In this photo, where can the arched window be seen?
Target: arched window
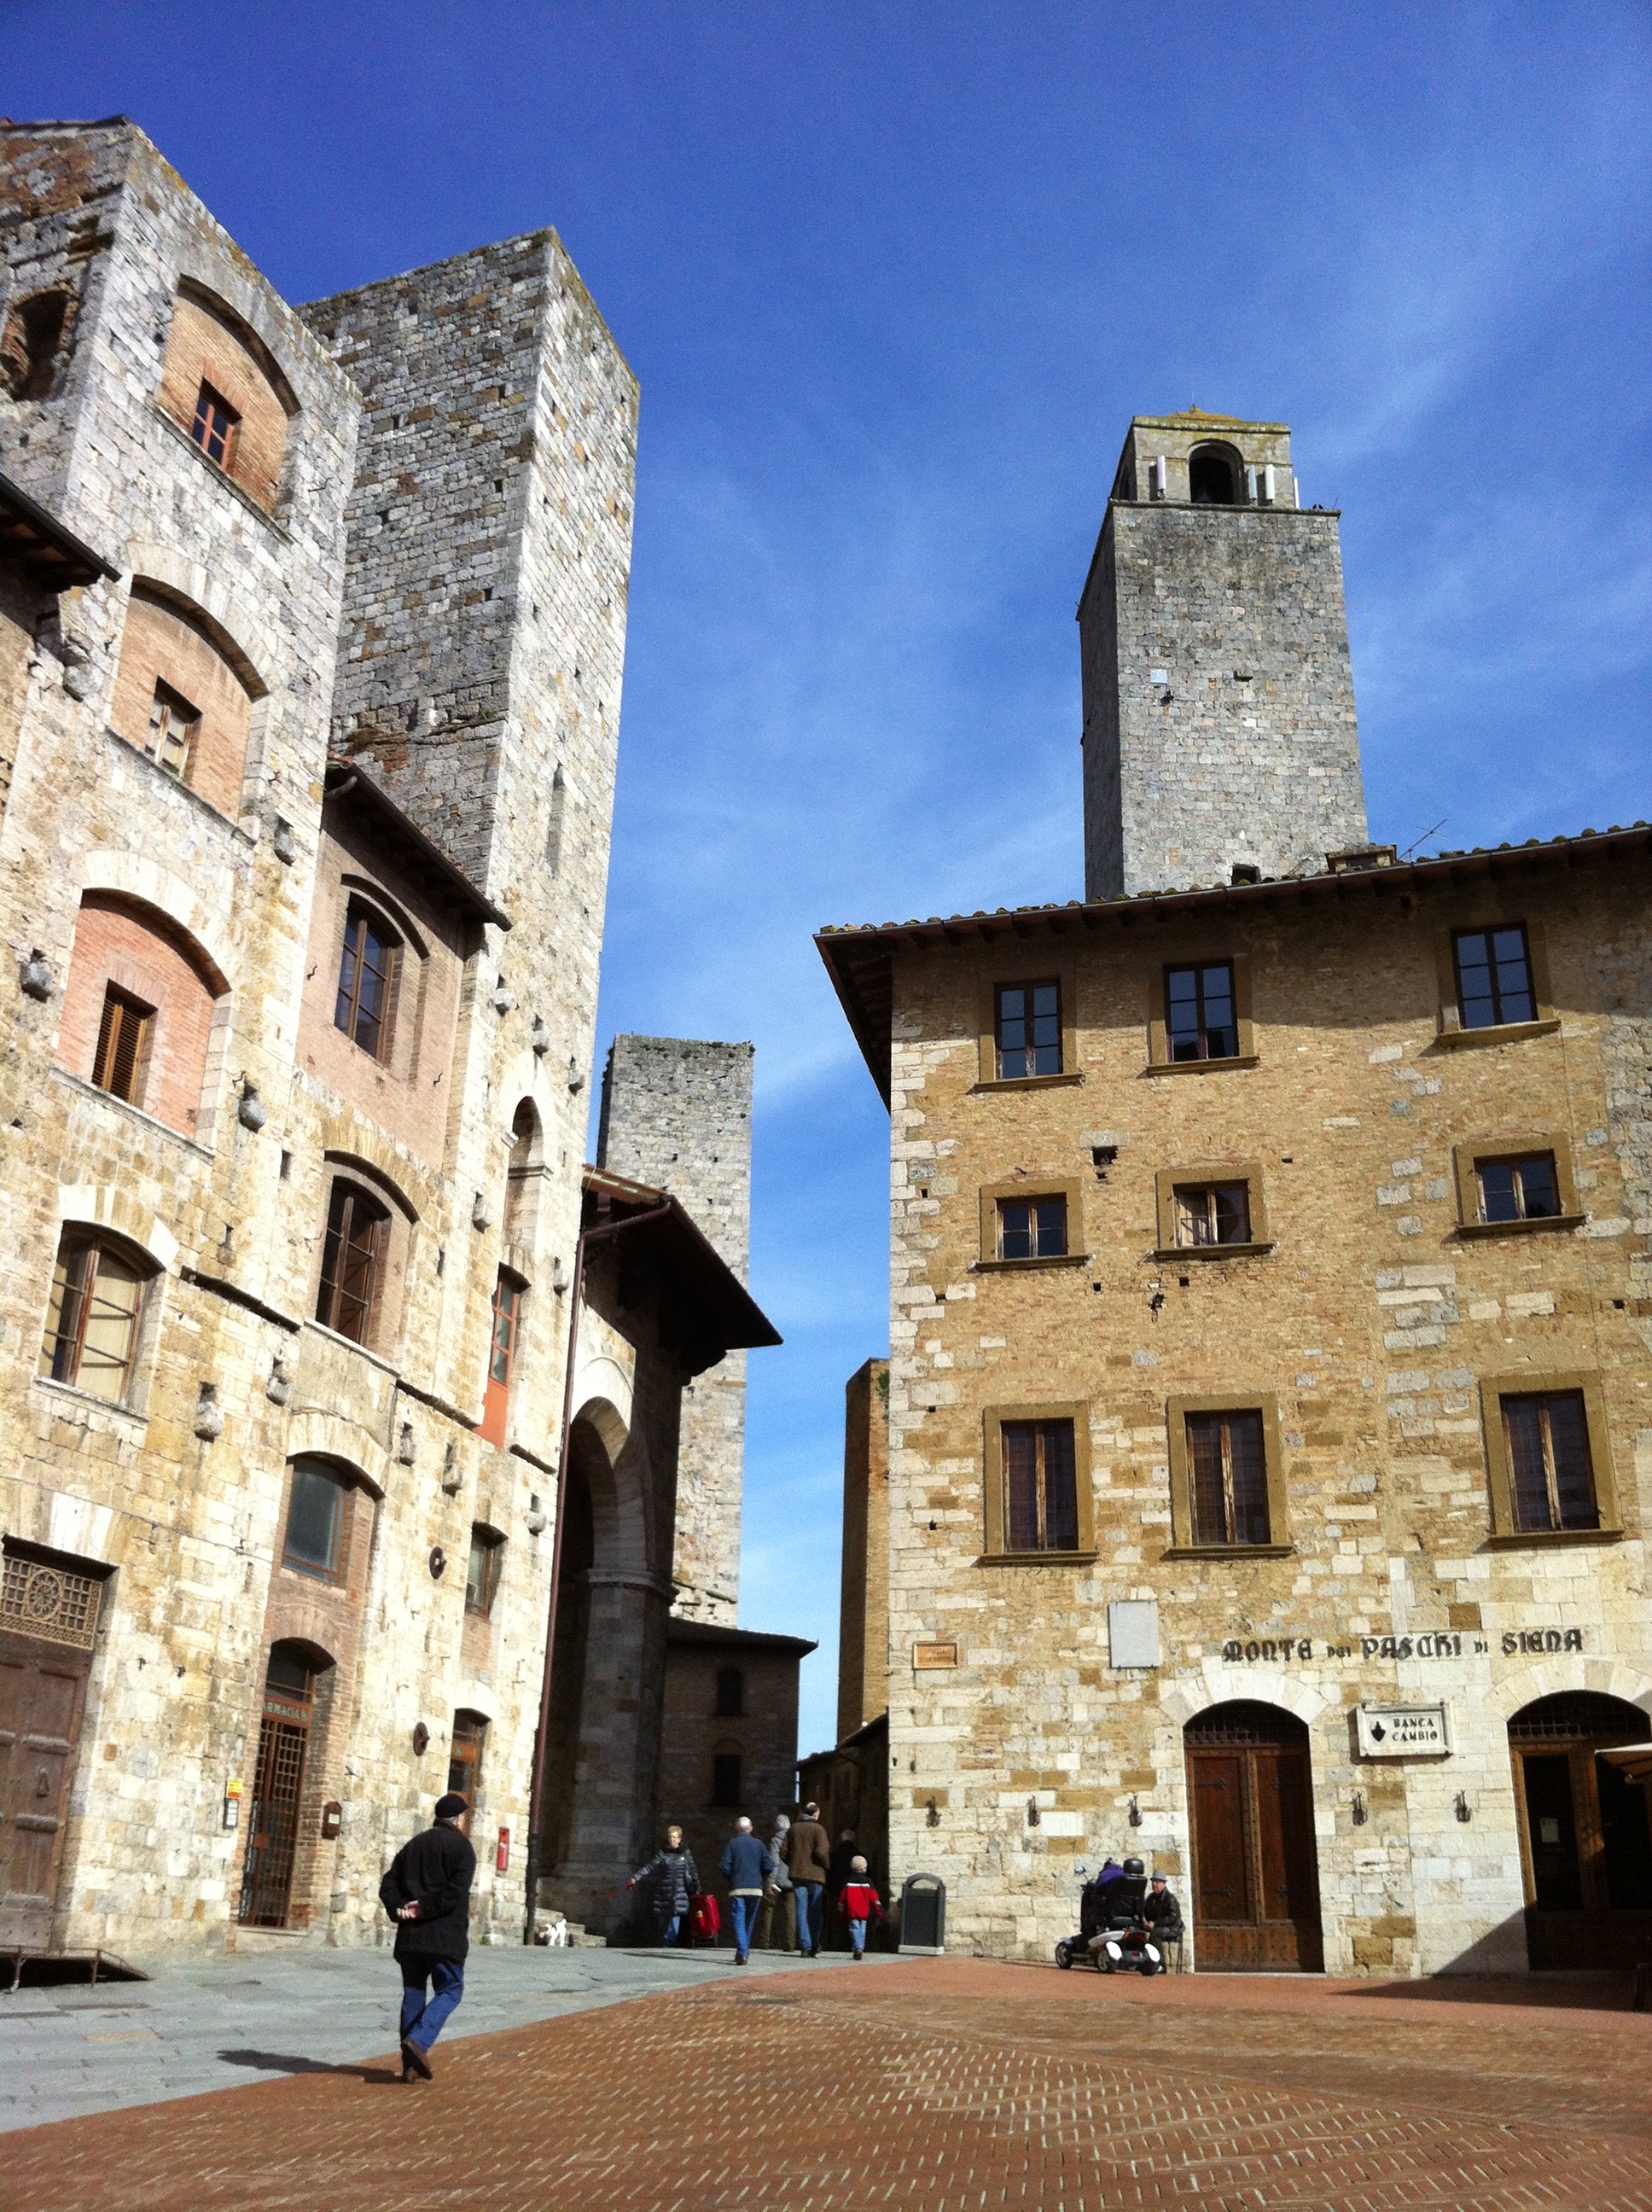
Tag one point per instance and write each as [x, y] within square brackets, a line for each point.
[352, 1257]
[1212, 477]
[731, 1692]
[92, 1317]
[526, 1176]
[182, 697]
[366, 977]
[222, 387]
[317, 1520]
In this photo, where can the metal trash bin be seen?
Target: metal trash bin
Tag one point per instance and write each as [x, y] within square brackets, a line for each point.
[923, 1915]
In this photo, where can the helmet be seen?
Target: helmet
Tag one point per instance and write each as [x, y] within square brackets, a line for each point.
[1134, 1868]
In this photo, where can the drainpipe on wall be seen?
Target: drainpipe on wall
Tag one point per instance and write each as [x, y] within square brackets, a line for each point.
[537, 1795]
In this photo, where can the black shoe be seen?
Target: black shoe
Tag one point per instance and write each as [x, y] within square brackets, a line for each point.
[413, 2056]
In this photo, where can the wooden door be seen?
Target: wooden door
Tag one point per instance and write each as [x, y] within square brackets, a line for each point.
[48, 1624]
[1255, 1873]
[1585, 1840]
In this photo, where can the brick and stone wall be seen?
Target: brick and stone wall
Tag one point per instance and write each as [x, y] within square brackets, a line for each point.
[863, 1610]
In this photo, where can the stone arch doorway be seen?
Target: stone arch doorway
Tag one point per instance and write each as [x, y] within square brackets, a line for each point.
[607, 1672]
[1585, 1841]
[297, 1679]
[1255, 1868]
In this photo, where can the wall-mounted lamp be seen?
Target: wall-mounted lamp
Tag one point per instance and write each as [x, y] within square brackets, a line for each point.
[1032, 1812]
[1464, 1811]
[933, 1817]
[1135, 1814]
[1359, 1809]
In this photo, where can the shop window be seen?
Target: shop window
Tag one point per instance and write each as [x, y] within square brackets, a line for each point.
[174, 724]
[92, 1317]
[1494, 977]
[367, 970]
[1041, 1493]
[1227, 1479]
[1029, 1029]
[352, 1256]
[121, 1061]
[316, 1516]
[725, 1780]
[501, 1355]
[481, 1576]
[464, 1758]
[1032, 1228]
[1199, 1018]
[731, 1692]
[1213, 1214]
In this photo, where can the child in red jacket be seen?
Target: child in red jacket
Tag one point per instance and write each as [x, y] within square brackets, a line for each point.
[859, 1901]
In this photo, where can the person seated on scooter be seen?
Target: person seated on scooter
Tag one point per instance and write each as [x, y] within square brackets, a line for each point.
[1161, 1911]
[1093, 1904]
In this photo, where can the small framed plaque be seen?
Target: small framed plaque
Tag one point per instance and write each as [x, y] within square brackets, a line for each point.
[928, 1655]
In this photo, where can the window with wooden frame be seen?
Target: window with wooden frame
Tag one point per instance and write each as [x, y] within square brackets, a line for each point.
[1212, 1210]
[1032, 1228]
[1548, 1458]
[1038, 1502]
[352, 1255]
[1506, 1185]
[726, 1779]
[1227, 1476]
[731, 1692]
[92, 1317]
[318, 1502]
[124, 1030]
[175, 724]
[1032, 1225]
[465, 1759]
[1200, 1020]
[482, 1575]
[366, 972]
[501, 1355]
[216, 426]
[1027, 1027]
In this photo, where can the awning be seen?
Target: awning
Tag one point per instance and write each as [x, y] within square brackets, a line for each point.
[1632, 1760]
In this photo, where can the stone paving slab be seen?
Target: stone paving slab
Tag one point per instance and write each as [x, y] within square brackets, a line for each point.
[930, 2086]
[213, 2024]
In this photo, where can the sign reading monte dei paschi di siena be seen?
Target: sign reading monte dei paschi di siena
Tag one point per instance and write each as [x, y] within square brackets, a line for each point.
[1270, 1392]
[311, 634]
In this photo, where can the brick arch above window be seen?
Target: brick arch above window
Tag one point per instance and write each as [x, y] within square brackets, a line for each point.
[180, 699]
[138, 1012]
[247, 643]
[333, 1436]
[140, 881]
[223, 388]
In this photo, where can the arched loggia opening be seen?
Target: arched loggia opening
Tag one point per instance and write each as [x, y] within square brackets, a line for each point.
[1213, 476]
[1255, 1873]
[1585, 1838]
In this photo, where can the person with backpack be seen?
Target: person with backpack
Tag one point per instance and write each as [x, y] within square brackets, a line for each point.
[673, 1878]
[427, 1893]
[860, 1903]
[808, 1863]
[746, 1867]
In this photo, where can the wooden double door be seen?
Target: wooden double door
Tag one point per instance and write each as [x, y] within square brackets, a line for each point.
[1586, 1842]
[48, 1621]
[1256, 1871]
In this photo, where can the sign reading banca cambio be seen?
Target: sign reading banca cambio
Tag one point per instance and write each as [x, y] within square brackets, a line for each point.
[1404, 1732]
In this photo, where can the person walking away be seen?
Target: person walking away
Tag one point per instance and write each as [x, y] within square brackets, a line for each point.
[746, 1867]
[780, 1903]
[860, 1903]
[427, 1893]
[809, 1861]
[672, 1878]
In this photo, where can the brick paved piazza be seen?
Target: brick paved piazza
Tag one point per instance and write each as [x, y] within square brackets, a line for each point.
[941, 2085]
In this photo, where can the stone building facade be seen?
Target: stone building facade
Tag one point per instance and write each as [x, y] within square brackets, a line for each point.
[312, 630]
[1270, 1458]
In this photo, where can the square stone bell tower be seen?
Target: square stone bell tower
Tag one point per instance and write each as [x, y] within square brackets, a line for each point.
[1218, 700]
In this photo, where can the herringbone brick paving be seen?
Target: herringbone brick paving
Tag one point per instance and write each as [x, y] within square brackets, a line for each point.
[928, 2087]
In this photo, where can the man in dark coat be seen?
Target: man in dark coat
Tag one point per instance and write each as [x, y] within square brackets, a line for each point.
[426, 1893]
[808, 1860]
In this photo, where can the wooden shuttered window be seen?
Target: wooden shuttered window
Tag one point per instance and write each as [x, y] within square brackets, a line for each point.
[1551, 1479]
[91, 1326]
[351, 1257]
[122, 1057]
[366, 972]
[1041, 1489]
[1227, 1478]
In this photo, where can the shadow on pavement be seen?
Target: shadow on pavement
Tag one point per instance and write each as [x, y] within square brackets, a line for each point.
[272, 2062]
[1606, 1992]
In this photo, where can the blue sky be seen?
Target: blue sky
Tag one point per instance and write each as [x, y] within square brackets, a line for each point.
[894, 280]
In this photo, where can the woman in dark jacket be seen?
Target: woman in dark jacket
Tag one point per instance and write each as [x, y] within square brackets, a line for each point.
[675, 1880]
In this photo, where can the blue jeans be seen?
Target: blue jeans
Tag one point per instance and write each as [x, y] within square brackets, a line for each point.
[673, 1926]
[423, 2019]
[744, 1912]
[809, 1915]
[857, 1936]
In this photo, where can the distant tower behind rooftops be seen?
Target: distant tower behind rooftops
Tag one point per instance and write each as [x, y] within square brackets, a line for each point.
[1218, 700]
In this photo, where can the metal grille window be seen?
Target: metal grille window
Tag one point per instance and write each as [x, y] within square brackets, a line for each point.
[481, 1576]
[278, 1793]
[1041, 1488]
[1494, 977]
[1213, 1213]
[91, 1322]
[215, 425]
[1227, 1478]
[1550, 1479]
[1032, 1228]
[1199, 1016]
[366, 967]
[356, 1228]
[1029, 1029]
[49, 1602]
[315, 1522]
[121, 1061]
[174, 724]
[1518, 1190]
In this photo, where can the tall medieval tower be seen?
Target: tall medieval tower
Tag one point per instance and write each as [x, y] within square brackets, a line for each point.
[1219, 733]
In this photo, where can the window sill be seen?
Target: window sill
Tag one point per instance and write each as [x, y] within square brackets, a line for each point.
[221, 475]
[1028, 1082]
[124, 1106]
[1521, 1540]
[1211, 1251]
[89, 1403]
[336, 1336]
[1029, 1266]
[1452, 1040]
[1036, 1558]
[1230, 1552]
[1201, 1067]
[1547, 1221]
[175, 783]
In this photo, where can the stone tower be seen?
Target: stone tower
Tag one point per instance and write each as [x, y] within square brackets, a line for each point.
[1219, 732]
[678, 1114]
